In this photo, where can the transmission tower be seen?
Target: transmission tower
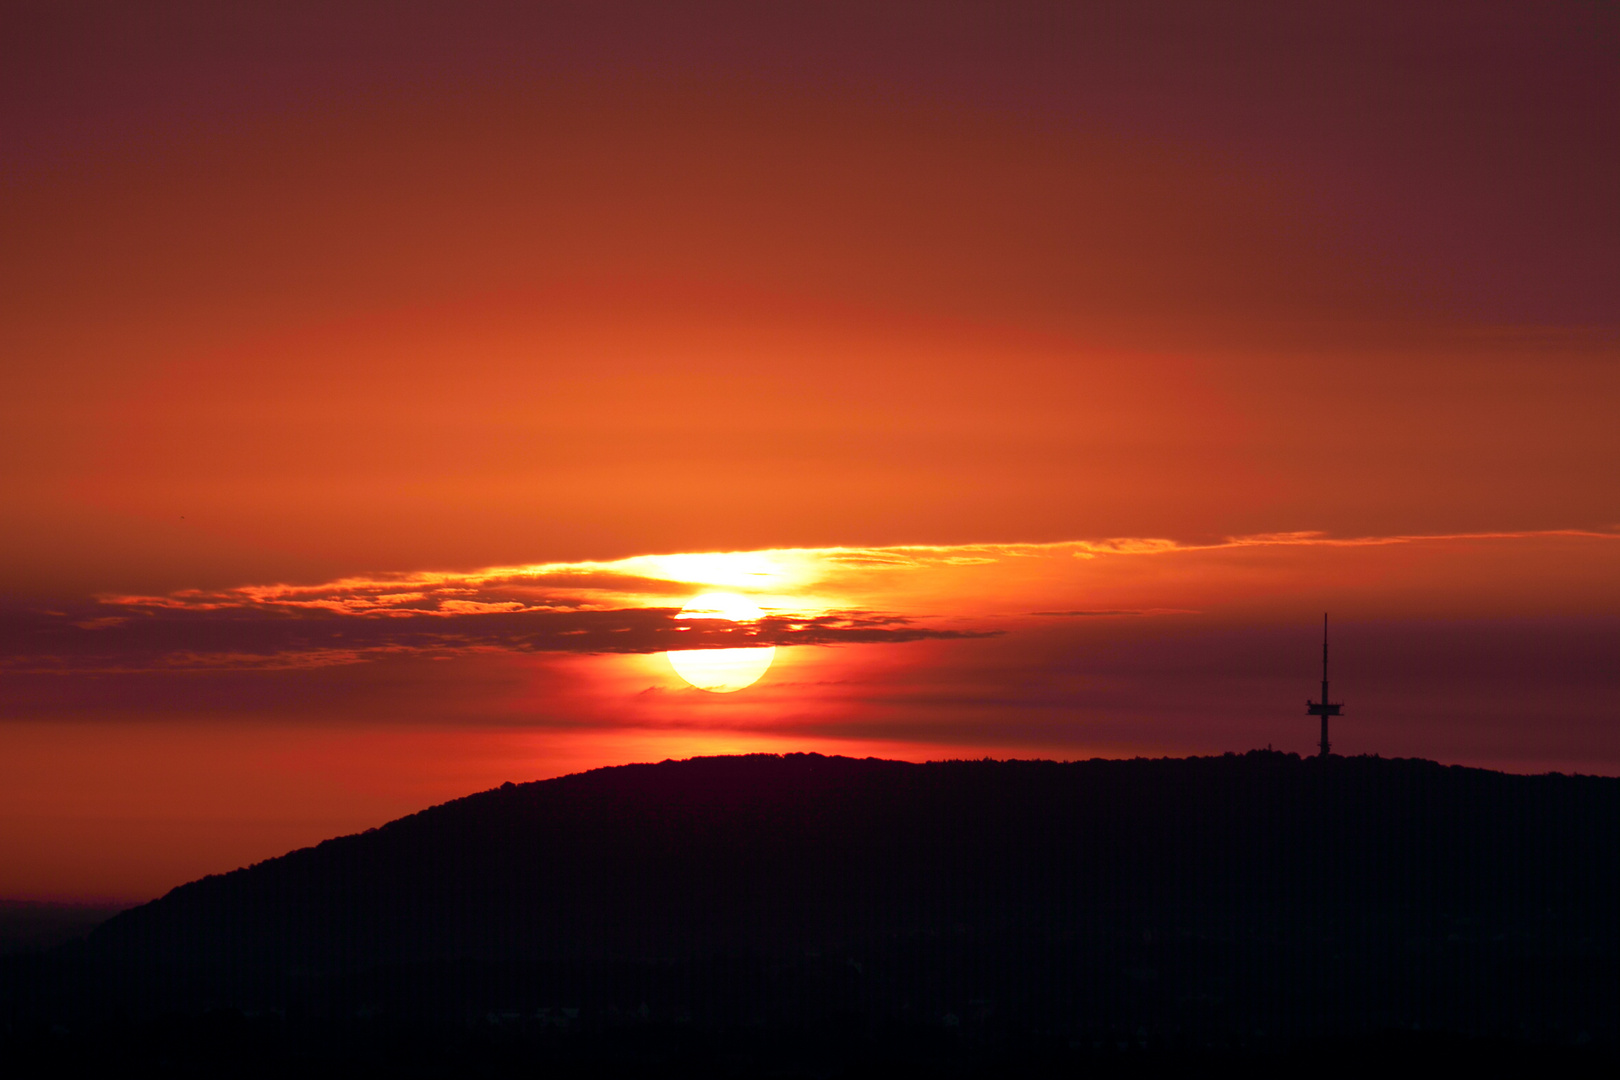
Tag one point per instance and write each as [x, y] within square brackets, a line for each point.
[1324, 708]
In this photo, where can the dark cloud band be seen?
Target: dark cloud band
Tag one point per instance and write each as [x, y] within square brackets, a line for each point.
[259, 636]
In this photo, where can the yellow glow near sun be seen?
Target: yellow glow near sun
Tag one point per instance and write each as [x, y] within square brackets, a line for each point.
[721, 671]
[752, 570]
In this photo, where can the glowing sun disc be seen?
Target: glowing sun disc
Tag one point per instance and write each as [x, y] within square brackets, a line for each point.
[721, 671]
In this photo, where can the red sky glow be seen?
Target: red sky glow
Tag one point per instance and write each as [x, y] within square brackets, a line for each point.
[382, 380]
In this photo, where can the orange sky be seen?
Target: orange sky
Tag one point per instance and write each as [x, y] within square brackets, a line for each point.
[306, 296]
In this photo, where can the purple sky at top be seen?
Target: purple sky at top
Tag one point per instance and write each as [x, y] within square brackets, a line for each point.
[1471, 140]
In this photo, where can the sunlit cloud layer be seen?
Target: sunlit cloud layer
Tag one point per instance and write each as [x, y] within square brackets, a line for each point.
[807, 597]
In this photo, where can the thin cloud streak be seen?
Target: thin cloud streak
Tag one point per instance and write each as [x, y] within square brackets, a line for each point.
[550, 586]
[1113, 612]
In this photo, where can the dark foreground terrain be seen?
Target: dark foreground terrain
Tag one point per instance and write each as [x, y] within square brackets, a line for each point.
[31, 926]
[822, 916]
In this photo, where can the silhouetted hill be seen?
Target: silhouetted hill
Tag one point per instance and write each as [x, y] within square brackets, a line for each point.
[1245, 900]
[36, 925]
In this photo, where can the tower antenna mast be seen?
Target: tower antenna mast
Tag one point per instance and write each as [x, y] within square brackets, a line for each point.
[1324, 708]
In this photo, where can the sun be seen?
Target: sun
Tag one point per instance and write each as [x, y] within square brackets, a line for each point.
[721, 671]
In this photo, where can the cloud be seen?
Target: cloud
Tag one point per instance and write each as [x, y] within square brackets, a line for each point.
[1105, 612]
[623, 607]
[212, 637]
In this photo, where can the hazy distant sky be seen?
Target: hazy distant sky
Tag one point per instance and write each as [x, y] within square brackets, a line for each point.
[1071, 358]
